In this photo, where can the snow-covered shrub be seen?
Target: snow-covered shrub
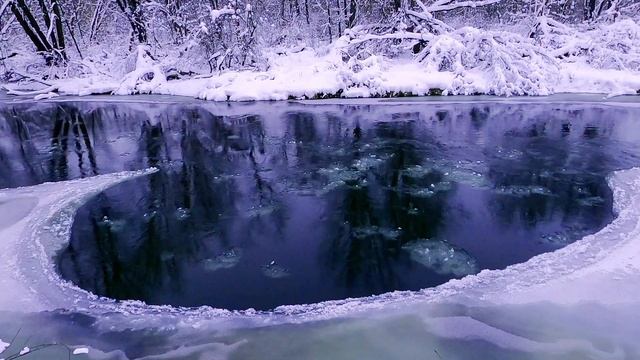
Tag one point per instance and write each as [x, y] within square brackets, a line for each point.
[482, 61]
[601, 45]
[145, 77]
[490, 62]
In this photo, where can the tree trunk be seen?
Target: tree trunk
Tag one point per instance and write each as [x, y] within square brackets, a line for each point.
[339, 18]
[51, 48]
[589, 9]
[55, 6]
[47, 22]
[33, 24]
[329, 21]
[133, 12]
[352, 13]
[306, 11]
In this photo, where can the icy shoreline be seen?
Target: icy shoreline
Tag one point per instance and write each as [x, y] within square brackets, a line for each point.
[574, 274]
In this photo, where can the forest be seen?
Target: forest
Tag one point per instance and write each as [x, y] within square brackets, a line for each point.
[351, 48]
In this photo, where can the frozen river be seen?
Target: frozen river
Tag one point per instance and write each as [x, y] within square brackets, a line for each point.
[409, 229]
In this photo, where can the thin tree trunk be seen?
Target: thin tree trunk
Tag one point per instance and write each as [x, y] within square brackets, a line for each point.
[339, 18]
[352, 13]
[47, 22]
[589, 9]
[95, 21]
[33, 24]
[345, 15]
[73, 38]
[55, 5]
[134, 14]
[35, 39]
[329, 21]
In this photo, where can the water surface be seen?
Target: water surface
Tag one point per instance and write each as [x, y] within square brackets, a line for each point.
[263, 205]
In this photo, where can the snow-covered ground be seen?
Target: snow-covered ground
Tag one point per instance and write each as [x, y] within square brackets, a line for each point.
[309, 75]
[600, 59]
[579, 302]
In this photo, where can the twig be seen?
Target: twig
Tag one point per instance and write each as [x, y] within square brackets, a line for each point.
[31, 77]
[9, 56]
[38, 348]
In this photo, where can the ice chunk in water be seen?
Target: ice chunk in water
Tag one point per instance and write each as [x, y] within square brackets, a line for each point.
[113, 225]
[148, 216]
[340, 173]
[105, 221]
[417, 171]
[368, 162]
[509, 154]
[431, 190]
[3, 346]
[516, 190]
[226, 260]
[339, 176]
[557, 238]
[261, 210]
[182, 213]
[275, 271]
[366, 231]
[464, 172]
[81, 350]
[564, 237]
[591, 201]
[442, 257]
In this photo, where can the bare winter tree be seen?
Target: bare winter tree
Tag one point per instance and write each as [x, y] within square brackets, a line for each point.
[46, 34]
[133, 11]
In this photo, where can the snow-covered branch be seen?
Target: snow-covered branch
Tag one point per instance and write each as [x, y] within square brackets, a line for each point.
[448, 5]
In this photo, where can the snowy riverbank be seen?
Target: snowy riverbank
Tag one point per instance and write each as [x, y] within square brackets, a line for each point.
[466, 61]
[306, 75]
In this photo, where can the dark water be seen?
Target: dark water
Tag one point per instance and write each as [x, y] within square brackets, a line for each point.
[270, 204]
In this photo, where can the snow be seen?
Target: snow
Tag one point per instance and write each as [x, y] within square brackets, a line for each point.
[81, 350]
[558, 59]
[307, 74]
[3, 346]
